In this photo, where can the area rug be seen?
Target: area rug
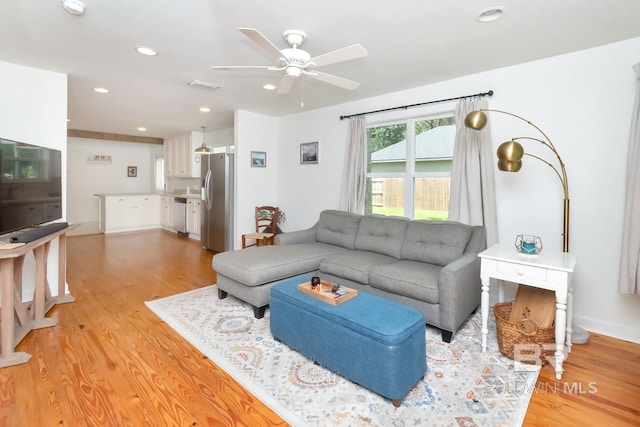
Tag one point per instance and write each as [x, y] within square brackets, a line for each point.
[462, 386]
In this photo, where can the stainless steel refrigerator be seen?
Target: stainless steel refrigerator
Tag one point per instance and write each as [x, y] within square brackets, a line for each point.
[217, 207]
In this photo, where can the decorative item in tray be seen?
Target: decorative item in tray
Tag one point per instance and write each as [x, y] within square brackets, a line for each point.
[328, 292]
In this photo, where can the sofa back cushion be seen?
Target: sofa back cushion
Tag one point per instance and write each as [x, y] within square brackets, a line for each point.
[435, 242]
[338, 228]
[381, 234]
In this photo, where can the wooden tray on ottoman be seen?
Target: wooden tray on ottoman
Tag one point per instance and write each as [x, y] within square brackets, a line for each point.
[325, 294]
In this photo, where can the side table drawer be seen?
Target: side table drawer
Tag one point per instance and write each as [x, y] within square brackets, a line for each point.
[519, 270]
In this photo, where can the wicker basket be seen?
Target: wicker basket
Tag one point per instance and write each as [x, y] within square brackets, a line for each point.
[510, 333]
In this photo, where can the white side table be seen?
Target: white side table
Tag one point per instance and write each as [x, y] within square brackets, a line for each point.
[548, 270]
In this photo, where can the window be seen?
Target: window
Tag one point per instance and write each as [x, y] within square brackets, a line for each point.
[409, 167]
[158, 178]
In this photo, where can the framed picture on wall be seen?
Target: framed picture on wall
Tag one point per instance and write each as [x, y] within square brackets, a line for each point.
[258, 159]
[309, 153]
[132, 171]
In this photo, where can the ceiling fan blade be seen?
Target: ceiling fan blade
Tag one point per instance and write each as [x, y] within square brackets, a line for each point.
[236, 67]
[285, 85]
[334, 80]
[262, 41]
[344, 54]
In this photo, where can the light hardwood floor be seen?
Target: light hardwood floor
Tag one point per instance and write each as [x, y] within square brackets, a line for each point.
[111, 362]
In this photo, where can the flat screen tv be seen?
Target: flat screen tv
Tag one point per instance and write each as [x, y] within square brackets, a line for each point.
[30, 185]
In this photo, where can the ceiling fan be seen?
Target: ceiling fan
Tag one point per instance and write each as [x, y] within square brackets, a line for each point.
[296, 62]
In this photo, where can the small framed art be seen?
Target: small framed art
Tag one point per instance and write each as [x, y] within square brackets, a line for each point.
[309, 153]
[258, 159]
[132, 171]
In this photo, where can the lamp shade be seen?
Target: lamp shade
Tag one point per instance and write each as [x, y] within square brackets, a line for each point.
[509, 166]
[203, 149]
[476, 120]
[511, 151]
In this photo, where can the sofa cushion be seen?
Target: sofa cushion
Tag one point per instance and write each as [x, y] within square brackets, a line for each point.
[353, 265]
[338, 228]
[263, 264]
[413, 279]
[381, 234]
[435, 242]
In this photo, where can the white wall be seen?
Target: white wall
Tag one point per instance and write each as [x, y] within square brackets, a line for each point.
[89, 178]
[583, 101]
[253, 186]
[33, 109]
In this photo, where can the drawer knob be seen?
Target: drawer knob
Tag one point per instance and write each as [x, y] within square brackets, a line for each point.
[520, 272]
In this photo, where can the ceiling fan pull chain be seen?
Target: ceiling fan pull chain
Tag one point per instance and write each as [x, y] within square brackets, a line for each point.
[302, 91]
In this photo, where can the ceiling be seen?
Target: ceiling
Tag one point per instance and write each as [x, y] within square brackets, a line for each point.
[410, 43]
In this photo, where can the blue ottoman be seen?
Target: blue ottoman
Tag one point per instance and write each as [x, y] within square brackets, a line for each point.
[371, 341]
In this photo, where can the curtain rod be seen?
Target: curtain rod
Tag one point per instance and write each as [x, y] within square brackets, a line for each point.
[477, 95]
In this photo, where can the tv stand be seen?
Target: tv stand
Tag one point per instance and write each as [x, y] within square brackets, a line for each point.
[19, 318]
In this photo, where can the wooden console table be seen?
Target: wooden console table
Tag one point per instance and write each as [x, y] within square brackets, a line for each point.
[548, 270]
[19, 318]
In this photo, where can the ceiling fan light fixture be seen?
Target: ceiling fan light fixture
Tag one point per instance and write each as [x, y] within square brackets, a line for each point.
[293, 71]
[74, 7]
[296, 62]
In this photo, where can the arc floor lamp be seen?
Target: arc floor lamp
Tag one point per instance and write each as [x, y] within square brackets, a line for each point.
[510, 155]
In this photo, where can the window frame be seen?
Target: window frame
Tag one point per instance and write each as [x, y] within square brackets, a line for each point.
[410, 174]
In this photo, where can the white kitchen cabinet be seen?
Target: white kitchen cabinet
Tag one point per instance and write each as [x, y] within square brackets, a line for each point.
[181, 161]
[147, 211]
[193, 217]
[166, 212]
[131, 212]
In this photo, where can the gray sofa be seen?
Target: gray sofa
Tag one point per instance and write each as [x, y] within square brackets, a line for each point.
[432, 266]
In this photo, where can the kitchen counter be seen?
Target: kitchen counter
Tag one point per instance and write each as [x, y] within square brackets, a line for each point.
[124, 194]
[185, 195]
[180, 194]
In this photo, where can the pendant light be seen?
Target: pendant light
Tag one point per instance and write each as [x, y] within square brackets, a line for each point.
[203, 149]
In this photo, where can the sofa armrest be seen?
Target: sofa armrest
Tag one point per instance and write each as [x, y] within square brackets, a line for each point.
[459, 290]
[301, 236]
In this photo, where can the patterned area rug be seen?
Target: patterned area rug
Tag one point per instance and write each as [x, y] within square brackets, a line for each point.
[462, 386]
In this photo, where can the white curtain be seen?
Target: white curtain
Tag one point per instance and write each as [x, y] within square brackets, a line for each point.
[353, 189]
[473, 195]
[629, 279]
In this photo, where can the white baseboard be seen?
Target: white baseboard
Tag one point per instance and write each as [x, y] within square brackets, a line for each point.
[623, 332]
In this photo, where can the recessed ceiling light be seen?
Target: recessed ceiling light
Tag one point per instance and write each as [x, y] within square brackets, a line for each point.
[141, 129]
[491, 14]
[205, 109]
[74, 7]
[101, 90]
[269, 86]
[147, 51]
